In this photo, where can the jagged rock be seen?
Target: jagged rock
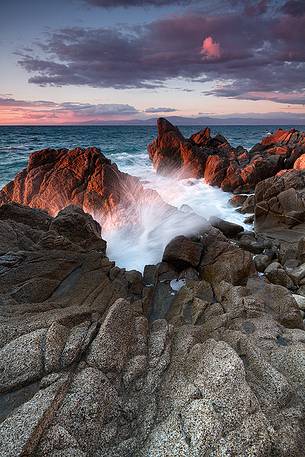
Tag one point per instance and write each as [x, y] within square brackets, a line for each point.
[301, 249]
[57, 178]
[215, 160]
[251, 244]
[280, 203]
[299, 164]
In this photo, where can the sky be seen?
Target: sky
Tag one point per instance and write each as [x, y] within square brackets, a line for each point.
[74, 61]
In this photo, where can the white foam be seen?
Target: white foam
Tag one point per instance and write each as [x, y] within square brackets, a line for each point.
[133, 247]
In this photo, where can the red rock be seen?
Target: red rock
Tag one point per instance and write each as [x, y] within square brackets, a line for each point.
[55, 179]
[215, 170]
[299, 164]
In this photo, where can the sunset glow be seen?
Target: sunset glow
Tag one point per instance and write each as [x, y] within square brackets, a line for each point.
[111, 61]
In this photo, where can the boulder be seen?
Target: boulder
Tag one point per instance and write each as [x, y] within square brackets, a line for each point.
[280, 203]
[182, 252]
[57, 178]
[277, 275]
[223, 260]
[229, 229]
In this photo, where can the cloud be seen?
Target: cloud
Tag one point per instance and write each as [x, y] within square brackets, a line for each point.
[12, 110]
[99, 109]
[160, 110]
[210, 48]
[260, 55]
[294, 7]
[131, 3]
[4, 101]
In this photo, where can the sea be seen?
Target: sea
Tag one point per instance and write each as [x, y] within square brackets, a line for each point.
[127, 147]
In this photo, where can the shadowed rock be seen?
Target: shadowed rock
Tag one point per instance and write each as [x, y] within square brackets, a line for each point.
[280, 204]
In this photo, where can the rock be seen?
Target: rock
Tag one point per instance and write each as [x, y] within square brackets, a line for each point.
[261, 262]
[301, 250]
[88, 368]
[225, 261]
[300, 299]
[229, 229]
[171, 152]
[21, 432]
[249, 219]
[21, 360]
[251, 244]
[280, 203]
[182, 253]
[81, 177]
[297, 274]
[214, 159]
[79, 228]
[277, 275]
[56, 337]
[248, 205]
[238, 200]
[299, 164]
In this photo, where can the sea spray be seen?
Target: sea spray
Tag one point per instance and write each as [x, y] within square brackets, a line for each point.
[137, 236]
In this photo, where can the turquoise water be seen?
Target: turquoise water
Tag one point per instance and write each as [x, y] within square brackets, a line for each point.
[132, 247]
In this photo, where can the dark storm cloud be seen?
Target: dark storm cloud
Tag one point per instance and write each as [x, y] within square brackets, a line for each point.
[129, 3]
[252, 57]
[294, 7]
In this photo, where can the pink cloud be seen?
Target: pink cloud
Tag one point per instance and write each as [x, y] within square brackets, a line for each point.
[210, 48]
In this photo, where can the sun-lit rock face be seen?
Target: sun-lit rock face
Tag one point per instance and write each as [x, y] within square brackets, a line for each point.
[56, 178]
[215, 160]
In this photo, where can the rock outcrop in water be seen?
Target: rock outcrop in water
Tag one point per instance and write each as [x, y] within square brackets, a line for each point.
[203, 354]
[97, 361]
[56, 178]
[215, 160]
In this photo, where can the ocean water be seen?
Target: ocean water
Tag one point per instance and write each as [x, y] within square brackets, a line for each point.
[126, 145]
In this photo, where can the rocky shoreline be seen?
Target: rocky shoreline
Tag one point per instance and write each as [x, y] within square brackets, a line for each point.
[202, 355]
